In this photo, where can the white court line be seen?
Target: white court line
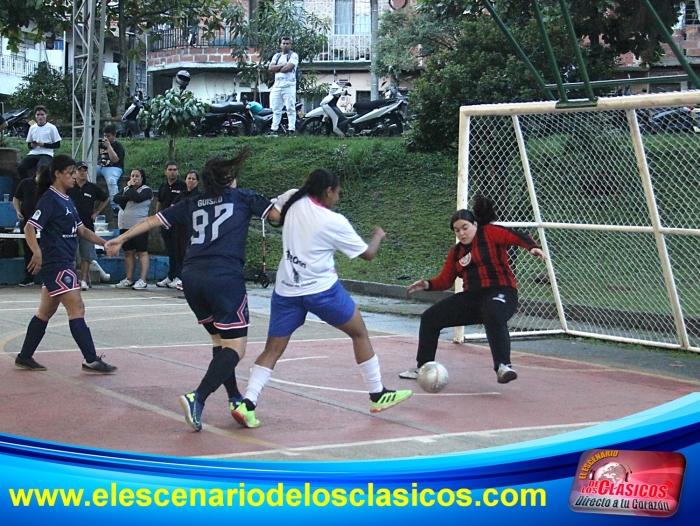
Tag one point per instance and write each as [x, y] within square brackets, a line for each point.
[303, 358]
[423, 439]
[111, 307]
[89, 300]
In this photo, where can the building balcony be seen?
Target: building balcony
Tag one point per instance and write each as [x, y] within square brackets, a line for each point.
[14, 65]
[183, 46]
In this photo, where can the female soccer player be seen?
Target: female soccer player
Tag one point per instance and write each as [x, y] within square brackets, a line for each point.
[58, 221]
[212, 273]
[490, 294]
[307, 282]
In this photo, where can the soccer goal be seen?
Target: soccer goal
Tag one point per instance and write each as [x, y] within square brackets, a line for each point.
[612, 193]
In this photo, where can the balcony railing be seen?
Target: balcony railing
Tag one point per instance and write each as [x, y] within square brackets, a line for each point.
[19, 66]
[340, 48]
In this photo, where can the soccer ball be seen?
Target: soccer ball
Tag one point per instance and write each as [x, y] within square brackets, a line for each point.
[432, 377]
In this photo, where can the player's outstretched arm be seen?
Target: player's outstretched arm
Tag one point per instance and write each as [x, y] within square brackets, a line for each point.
[113, 245]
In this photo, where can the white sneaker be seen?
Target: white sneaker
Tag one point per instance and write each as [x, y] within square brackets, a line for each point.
[409, 374]
[505, 374]
[140, 285]
[84, 285]
[164, 283]
[174, 283]
[125, 284]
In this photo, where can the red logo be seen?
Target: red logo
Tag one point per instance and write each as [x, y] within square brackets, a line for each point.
[643, 483]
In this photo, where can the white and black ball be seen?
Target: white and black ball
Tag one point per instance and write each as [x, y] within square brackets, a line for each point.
[432, 377]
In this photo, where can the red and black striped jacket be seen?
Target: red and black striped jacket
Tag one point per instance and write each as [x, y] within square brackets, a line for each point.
[484, 262]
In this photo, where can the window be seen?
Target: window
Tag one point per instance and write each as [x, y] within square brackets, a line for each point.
[692, 13]
[352, 17]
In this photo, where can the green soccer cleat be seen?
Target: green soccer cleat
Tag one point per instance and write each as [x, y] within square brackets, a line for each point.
[243, 415]
[390, 399]
[193, 410]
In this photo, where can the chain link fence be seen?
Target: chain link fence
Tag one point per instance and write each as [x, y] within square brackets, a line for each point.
[612, 193]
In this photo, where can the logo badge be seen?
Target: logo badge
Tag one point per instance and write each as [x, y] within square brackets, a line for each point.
[466, 260]
[36, 215]
[619, 482]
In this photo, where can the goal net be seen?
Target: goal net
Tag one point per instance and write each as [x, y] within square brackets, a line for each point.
[612, 194]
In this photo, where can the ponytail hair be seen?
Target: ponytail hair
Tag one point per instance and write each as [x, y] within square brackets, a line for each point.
[47, 174]
[219, 173]
[483, 212]
[316, 184]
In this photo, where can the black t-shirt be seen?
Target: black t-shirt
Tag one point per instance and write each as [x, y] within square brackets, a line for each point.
[25, 192]
[104, 160]
[167, 193]
[85, 198]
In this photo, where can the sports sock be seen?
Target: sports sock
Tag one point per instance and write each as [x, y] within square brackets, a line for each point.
[222, 366]
[372, 375]
[231, 385]
[35, 332]
[83, 337]
[259, 376]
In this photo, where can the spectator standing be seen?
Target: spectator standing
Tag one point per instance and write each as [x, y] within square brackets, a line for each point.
[85, 195]
[42, 140]
[57, 219]
[168, 191]
[181, 234]
[284, 91]
[24, 202]
[3, 123]
[136, 201]
[110, 163]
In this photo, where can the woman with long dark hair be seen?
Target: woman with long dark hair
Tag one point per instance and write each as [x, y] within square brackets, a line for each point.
[307, 282]
[58, 221]
[489, 295]
[212, 273]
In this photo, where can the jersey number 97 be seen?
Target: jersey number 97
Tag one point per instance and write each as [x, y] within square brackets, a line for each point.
[201, 219]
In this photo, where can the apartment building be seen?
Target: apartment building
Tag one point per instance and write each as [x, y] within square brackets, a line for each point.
[347, 56]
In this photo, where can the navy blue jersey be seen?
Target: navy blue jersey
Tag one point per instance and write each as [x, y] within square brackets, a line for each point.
[217, 227]
[57, 219]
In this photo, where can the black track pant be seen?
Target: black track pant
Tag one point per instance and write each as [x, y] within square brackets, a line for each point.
[493, 307]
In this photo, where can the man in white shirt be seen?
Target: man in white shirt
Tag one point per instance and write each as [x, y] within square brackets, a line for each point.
[284, 91]
[42, 140]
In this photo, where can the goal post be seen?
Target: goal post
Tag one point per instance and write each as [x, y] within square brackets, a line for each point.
[612, 194]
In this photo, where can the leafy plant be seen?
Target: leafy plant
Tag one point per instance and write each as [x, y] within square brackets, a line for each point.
[172, 114]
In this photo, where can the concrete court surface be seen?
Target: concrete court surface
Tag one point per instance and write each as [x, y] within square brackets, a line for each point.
[315, 407]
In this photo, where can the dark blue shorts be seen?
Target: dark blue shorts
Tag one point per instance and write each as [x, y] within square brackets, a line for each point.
[61, 279]
[288, 313]
[216, 297]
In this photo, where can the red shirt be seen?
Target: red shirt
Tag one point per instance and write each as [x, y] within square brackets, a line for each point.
[484, 262]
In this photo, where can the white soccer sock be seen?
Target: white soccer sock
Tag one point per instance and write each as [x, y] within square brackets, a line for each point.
[257, 382]
[372, 375]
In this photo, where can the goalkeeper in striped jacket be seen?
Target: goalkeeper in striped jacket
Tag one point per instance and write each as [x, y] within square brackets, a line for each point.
[490, 294]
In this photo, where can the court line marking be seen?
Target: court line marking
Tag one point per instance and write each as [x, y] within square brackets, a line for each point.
[423, 438]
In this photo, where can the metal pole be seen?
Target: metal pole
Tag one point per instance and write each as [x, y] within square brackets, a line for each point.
[549, 51]
[462, 192]
[374, 24]
[577, 51]
[669, 40]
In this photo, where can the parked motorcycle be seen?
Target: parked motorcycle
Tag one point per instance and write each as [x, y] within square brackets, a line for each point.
[17, 122]
[229, 118]
[130, 126]
[381, 117]
[261, 118]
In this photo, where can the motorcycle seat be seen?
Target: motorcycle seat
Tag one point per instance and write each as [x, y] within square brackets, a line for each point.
[264, 112]
[227, 107]
[369, 105]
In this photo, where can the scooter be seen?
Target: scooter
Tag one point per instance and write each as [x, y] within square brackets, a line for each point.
[130, 126]
[374, 118]
[17, 123]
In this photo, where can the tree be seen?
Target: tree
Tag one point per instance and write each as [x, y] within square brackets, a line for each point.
[172, 114]
[49, 17]
[262, 31]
